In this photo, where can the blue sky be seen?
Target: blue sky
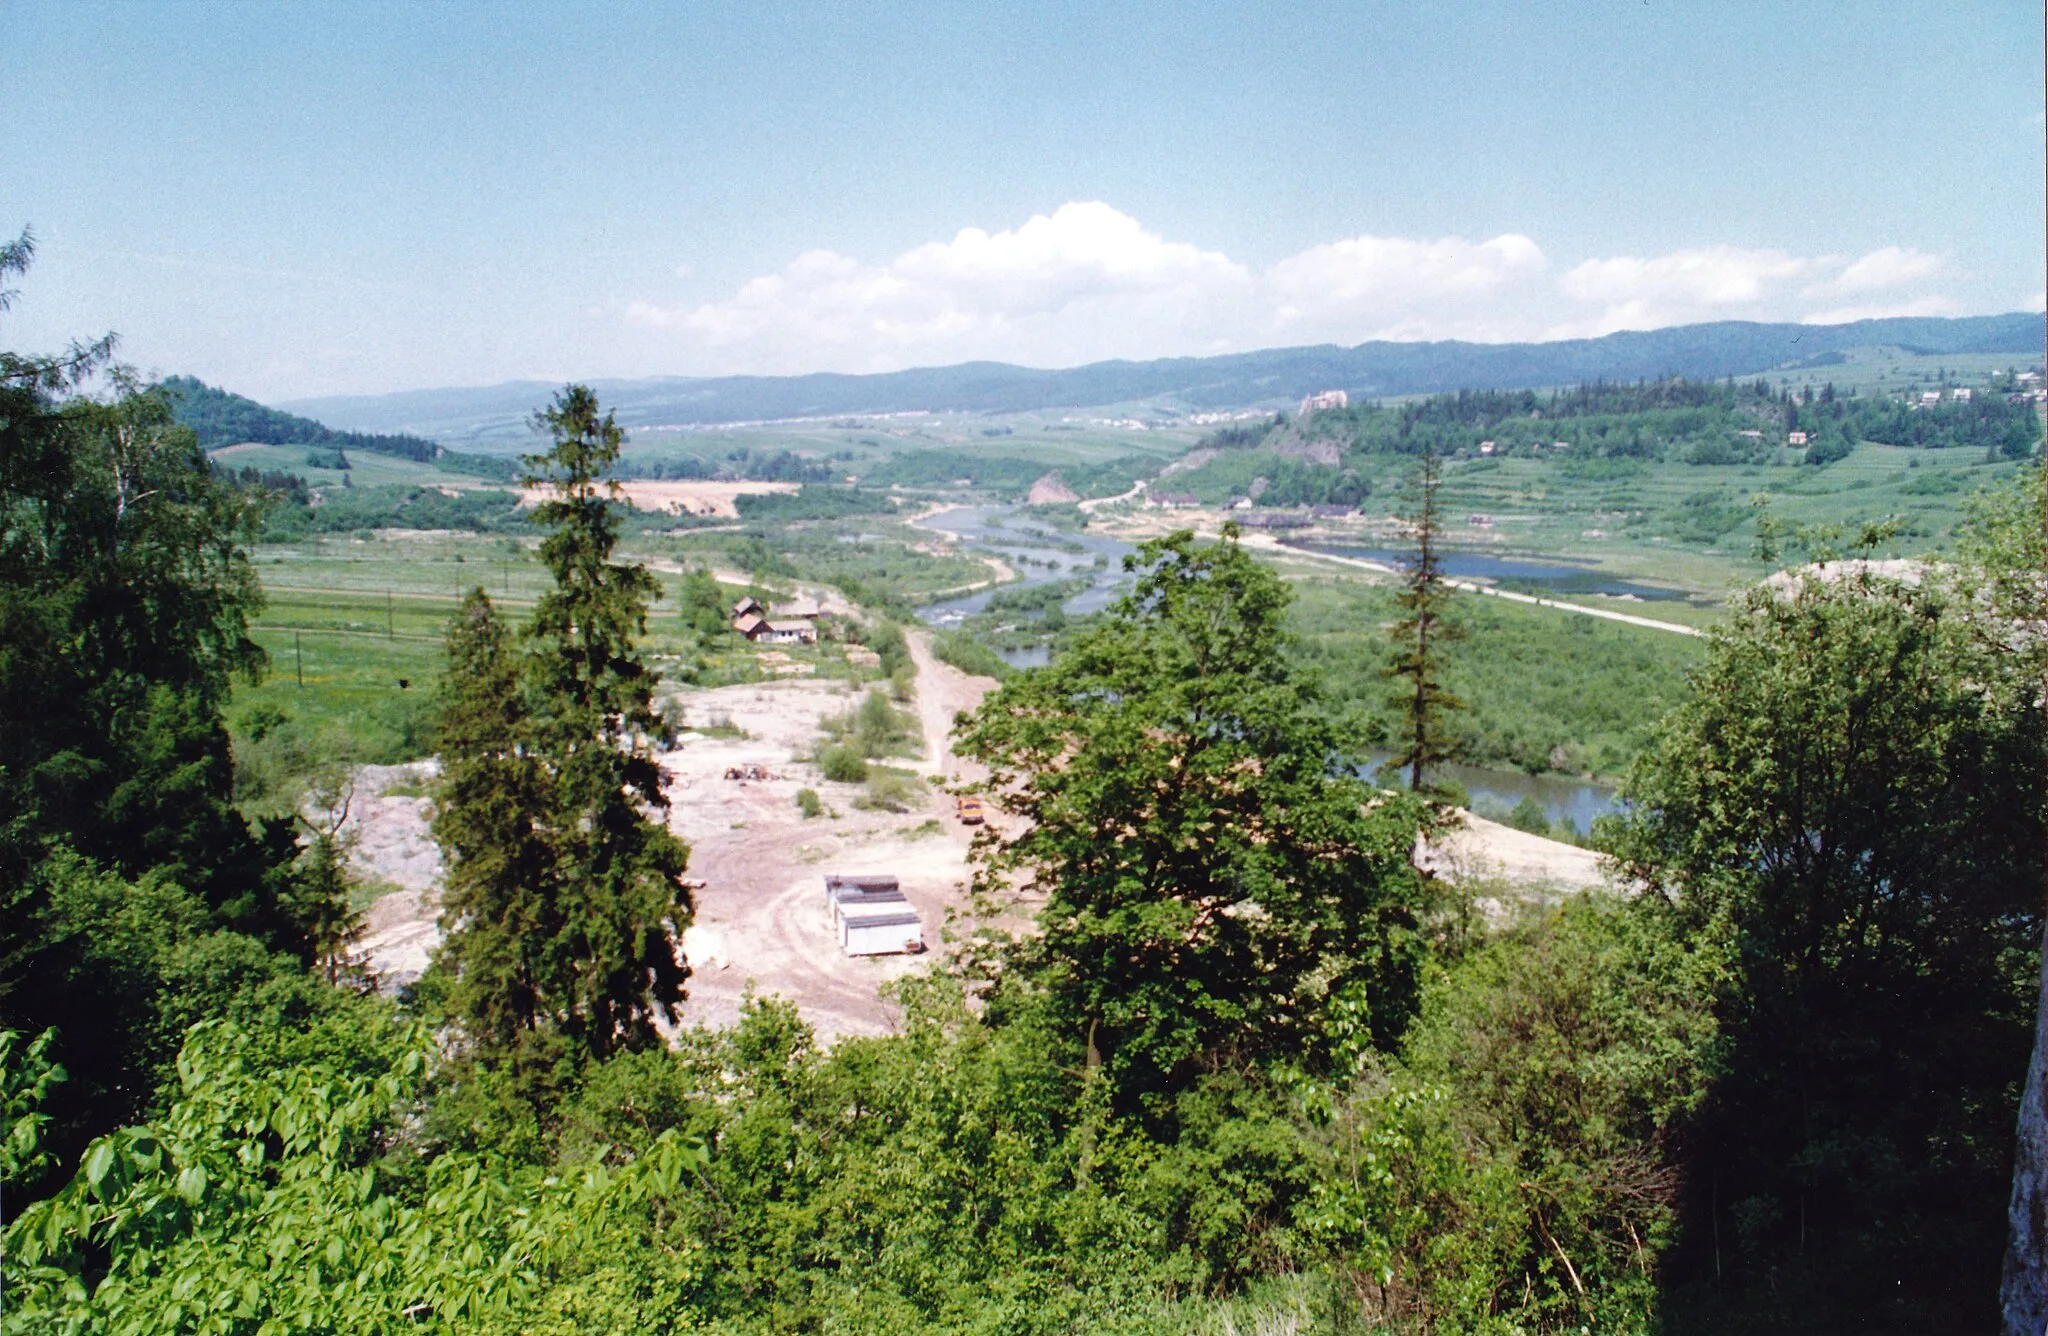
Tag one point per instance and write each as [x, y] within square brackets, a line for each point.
[309, 199]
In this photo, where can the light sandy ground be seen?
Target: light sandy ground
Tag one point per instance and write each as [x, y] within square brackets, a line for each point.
[1525, 868]
[761, 920]
[761, 917]
[388, 844]
[694, 498]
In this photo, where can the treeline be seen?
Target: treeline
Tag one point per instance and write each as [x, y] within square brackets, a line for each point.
[812, 502]
[1675, 420]
[748, 465]
[1009, 476]
[219, 418]
[292, 515]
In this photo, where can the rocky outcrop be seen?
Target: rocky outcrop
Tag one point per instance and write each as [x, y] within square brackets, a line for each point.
[1051, 490]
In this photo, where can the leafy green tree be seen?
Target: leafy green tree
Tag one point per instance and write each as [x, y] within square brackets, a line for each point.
[1852, 798]
[2001, 550]
[703, 605]
[1219, 887]
[125, 594]
[133, 894]
[1421, 635]
[258, 1201]
[566, 904]
[1516, 1171]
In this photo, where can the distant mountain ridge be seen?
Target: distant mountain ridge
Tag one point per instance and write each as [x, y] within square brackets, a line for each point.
[1271, 377]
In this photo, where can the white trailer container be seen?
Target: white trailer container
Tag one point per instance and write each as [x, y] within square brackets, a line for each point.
[880, 930]
[871, 916]
[859, 888]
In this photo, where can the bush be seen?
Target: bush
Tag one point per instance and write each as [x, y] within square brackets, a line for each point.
[807, 803]
[890, 790]
[967, 654]
[843, 764]
[1531, 816]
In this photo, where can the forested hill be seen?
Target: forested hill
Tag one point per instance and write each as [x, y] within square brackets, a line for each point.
[220, 418]
[1272, 377]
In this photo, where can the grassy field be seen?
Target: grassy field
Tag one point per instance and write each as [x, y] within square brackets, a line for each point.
[354, 630]
[1547, 690]
[1687, 526]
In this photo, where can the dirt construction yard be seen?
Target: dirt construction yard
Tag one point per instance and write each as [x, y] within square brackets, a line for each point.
[761, 919]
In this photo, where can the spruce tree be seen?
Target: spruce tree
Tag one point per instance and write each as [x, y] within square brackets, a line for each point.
[497, 904]
[565, 904]
[1420, 636]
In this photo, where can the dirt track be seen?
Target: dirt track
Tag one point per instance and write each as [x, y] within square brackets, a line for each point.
[761, 916]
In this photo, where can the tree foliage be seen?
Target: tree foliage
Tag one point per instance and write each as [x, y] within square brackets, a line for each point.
[566, 905]
[1218, 887]
[1852, 798]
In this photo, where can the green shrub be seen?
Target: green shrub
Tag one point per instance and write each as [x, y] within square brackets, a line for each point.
[807, 803]
[843, 764]
[1531, 816]
[890, 790]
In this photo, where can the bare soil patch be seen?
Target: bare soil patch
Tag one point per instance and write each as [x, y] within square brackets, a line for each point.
[761, 920]
[683, 498]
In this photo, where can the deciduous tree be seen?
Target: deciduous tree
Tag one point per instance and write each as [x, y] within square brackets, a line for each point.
[1219, 887]
[1852, 799]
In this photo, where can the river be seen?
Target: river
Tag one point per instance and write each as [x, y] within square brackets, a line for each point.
[1547, 577]
[1040, 553]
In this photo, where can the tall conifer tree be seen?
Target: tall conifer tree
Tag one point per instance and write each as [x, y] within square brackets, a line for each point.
[566, 900]
[1420, 636]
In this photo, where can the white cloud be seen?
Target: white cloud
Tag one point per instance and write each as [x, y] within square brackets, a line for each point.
[1888, 267]
[1707, 283]
[1087, 282]
[1393, 287]
[1081, 283]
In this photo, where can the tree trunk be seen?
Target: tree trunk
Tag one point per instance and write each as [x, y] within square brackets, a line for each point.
[2023, 1291]
[2024, 1294]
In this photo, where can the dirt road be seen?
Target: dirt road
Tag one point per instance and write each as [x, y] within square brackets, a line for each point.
[761, 918]
[943, 691]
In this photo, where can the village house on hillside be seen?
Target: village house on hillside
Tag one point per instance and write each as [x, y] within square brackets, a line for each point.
[792, 631]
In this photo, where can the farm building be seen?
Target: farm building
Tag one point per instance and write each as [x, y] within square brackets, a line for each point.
[792, 632]
[748, 607]
[752, 625]
[871, 916]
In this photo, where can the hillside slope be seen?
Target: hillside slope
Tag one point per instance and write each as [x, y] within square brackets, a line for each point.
[1268, 378]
